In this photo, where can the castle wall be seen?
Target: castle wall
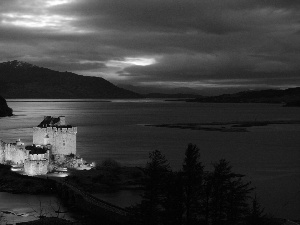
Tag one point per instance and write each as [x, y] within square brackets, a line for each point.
[11, 152]
[63, 140]
[62, 120]
[39, 156]
[2, 152]
[36, 167]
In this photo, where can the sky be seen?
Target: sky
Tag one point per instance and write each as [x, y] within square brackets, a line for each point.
[200, 44]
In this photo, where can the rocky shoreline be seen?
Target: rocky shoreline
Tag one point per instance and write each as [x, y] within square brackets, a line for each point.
[15, 183]
[49, 220]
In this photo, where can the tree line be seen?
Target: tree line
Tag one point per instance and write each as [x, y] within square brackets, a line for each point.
[195, 196]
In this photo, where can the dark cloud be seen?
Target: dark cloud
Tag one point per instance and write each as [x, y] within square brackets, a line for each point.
[218, 17]
[214, 42]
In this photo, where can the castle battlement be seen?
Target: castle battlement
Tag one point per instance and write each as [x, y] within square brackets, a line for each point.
[43, 156]
[60, 129]
[13, 146]
[33, 160]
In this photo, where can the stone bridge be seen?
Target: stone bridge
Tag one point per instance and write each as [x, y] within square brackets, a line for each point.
[82, 200]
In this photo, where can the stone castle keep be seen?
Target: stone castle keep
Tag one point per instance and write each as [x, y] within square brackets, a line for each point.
[54, 132]
[53, 142]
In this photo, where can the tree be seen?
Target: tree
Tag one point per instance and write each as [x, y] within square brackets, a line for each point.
[173, 205]
[257, 215]
[229, 195]
[110, 165]
[109, 174]
[154, 197]
[193, 183]
[41, 211]
[207, 196]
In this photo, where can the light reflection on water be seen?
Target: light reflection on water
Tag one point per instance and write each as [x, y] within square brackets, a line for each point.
[22, 207]
[269, 155]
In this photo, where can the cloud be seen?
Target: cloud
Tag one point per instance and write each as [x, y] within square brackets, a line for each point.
[246, 42]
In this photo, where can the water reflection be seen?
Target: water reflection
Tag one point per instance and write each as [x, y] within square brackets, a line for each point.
[123, 198]
[17, 208]
[111, 130]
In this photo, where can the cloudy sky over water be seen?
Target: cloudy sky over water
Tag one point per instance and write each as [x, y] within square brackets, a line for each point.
[202, 44]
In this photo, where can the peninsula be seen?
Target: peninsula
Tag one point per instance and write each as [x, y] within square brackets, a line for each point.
[4, 109]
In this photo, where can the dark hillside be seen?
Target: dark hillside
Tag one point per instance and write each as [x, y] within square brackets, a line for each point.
[23, 80]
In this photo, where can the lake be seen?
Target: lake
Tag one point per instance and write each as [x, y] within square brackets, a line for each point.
[19, 208]
[268, 155]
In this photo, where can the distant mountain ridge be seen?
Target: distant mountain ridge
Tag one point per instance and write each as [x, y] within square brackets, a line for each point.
[289, 96]
[145, 90]
[24, 80]
[156, 92]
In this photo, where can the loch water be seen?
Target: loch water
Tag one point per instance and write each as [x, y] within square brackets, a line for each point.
[269, 156]
[18, 208]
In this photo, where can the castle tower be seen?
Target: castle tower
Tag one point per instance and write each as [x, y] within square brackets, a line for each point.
[55, 132]
[62, 120]
[37, 162]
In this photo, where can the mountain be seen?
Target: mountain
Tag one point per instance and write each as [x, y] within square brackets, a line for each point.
[158, 92]
[289, 96]
[23, 80]
[4, 109]
[157, 89]
[178, 95]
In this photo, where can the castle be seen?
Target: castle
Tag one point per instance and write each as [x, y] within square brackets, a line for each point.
[55, 133]
[53, 142]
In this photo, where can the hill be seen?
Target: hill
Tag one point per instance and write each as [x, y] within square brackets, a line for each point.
[179, 96]
[4, 109]
[23, 80]
[288, 96]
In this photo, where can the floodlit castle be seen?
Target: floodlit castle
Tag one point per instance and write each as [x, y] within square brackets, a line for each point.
[54, 145]
[54, 132]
